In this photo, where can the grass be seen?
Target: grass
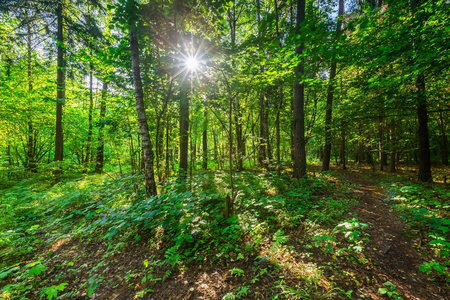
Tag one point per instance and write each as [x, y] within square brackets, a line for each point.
[99, 234]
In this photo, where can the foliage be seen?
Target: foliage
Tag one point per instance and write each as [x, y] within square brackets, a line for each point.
[425, 209]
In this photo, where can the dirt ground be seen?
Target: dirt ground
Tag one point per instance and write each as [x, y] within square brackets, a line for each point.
[392, 248]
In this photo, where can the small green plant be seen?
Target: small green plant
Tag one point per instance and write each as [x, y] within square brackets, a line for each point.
[390, 291]
[236, 272]
[52, 291]
[229, 296]
[310, 289]
[279, 238]
[429, 266]
[242, 291]
[94, 282]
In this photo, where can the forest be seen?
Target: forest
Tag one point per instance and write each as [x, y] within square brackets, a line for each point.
[224, 149]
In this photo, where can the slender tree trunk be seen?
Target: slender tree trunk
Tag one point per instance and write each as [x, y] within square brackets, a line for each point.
[424, 142]
[422, 115]
[101, 143]
[330, 95]
[343, 150]
[444, 147]
[299, 102]
[192, 142]
[239, 138]
[280, 103]
[133, 156]
[216, 151]
[168, 146]
[205, 140]
[61, 90]
[229, 201]
[147, 148]
[277, 128]
[158, 141]
[184, 132]
[381, 146]
[91, 110]
[262, 152]
[360, 145]
[392, 146]
[31, 150]
[240, 146]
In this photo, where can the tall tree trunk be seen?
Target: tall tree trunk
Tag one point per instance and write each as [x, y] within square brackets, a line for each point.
[239, 139]
[229, 200]
[91, 109]
[392, 146]
[184, 131]
[330, 95]
[167, 164]
[147, 148]
[262, 152]
[422, 113]
[61, 90]
[381, 151]
[360, 145]
[205, 140]
[101, 143]
[31, 149]
[444, 147]
[280, 103]
[240, 143]
[299, 102]
[277, 130]
[342, 148]
[424, 142]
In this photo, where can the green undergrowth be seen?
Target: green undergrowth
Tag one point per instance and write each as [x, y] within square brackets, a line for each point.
[46, 232]
[426, 209]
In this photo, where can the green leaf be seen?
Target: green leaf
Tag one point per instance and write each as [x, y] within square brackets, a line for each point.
[51, 293]
[61, 286]
[37, 270]
[7, 272]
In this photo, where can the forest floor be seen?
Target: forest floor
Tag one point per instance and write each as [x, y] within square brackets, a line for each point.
[346, 234]
[392, 248]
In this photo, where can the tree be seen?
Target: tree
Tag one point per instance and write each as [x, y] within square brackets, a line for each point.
[299, 101]
[422, 110]
[147, 148]
[61, 89]
[330, 94]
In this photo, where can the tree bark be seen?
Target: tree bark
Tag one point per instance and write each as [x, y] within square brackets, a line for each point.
[444, 147]
[31, 143]
[280, 103]
[91, 109]
[61, 90]
[101, 143]
[184, 131]
[382, 153]
[424, 141]
[262, 152]
[147, 148]
[167, 164]
[342, 148]
[360, 145]
[392, 146]
[205, 140]
[277, 129]
[422, 114]
[330, 95]
[299, 102]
